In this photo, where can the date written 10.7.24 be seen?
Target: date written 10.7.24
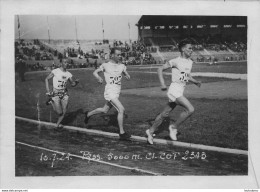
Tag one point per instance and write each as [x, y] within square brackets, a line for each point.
[54, 157]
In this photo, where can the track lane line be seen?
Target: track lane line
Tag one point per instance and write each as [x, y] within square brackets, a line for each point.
[144, 139]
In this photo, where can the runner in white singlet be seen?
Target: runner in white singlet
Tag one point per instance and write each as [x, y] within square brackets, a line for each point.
[181, 74]
[181, 69]
[59, 96]
[113, 75]
[113, 71]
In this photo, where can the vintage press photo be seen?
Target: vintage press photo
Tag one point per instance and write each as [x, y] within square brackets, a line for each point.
[137, 95]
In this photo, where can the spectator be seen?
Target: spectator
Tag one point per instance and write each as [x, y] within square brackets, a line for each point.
[95, 64]
[21, 69]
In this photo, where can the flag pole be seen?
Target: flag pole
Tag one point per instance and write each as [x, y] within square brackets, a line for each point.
[19, 27]
[129, 32]
[103, 29]
[48, 30]
[76, 32]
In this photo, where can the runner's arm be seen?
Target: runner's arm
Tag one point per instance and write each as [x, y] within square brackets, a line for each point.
[95, 73]
[194, 81]
[126, 74]
[51, 75]
[160, 74]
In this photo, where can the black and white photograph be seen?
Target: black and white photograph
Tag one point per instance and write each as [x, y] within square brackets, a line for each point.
[130, 95]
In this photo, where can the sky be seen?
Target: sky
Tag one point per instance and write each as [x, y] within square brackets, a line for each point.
[88, 27]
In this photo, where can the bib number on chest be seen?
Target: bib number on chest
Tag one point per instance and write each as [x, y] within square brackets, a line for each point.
[115, 80]
[184, 77]
[62, 84]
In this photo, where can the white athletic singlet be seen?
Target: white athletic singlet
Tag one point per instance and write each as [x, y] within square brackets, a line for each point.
[181, 71]
[60, 78]
[179, 77]
[113, 75]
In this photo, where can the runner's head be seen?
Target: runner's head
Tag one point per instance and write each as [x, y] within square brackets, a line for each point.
[185, 47]
[64, 63]
[115, 55]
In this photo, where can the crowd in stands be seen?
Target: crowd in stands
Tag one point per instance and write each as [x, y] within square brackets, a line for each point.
[238, 46]
[79, 53]
[138, 54]
[166, 49]
[135, 53]
[208, 42]
[33, 50]
[40, 67]
[235, 58]
[224, 57]
[96, 54]
[35, 67]
[151, 49]
[215, 47]
[72, 52]
[217, 43]
[117, 43]
[203, 59]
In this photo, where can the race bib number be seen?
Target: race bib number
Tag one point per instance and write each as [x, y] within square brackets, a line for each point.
[62, 84]
[184, 77]
[116, 80]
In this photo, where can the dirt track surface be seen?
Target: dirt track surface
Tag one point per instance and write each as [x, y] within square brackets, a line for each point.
[216, 90]
[163, 159]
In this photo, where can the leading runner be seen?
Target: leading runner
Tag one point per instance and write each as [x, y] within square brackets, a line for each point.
[59, 97]
[181, 74]
[113, 71]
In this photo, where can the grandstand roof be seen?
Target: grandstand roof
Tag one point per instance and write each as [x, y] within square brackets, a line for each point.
[153, 20]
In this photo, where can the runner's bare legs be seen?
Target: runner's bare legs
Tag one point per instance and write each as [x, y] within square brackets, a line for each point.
[119, 107]
[104, 109]
[159, 119]
[188, 111]
[120, 116]
[60, 108]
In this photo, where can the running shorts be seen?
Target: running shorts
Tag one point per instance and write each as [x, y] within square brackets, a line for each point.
[112, 92]
[175, 91]
[60, 95]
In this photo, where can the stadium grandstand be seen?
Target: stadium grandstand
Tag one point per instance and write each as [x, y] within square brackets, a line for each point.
[215, 38]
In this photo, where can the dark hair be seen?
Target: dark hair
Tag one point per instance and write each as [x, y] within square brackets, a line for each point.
[183, 43]
[66, 59]
[112, 51]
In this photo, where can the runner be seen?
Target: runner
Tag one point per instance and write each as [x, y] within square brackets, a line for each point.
[113, 71]
[181, 74]
[59, 96]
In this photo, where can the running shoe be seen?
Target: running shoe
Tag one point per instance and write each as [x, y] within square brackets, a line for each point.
[124, 136]
[149, 137]
[86, 118]
[59, 128]
[173, 133]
